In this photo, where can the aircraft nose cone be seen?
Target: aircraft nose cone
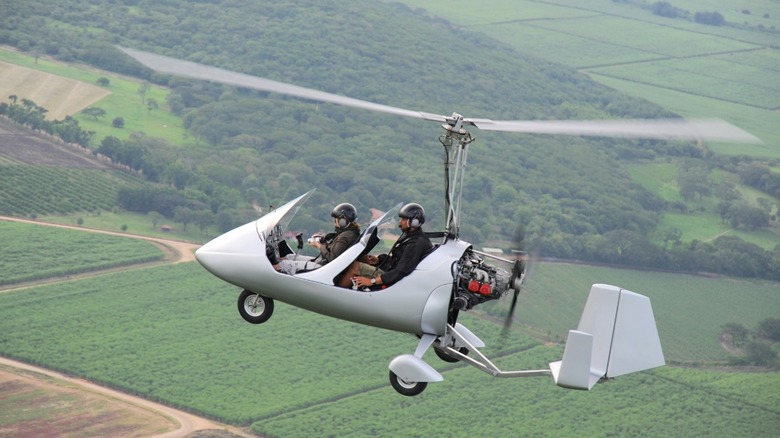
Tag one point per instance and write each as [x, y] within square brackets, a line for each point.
[234, 255]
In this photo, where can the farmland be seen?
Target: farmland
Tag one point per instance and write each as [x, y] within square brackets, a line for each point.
[61, 96]
[39, 405]
[120, 98]
[41, 176]
[33, 252]
[172, 334]
[696, 70]
[177, 339]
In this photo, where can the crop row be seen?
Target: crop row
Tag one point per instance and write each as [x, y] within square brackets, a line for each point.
[173, 335]
[741, 80]
[34, 252]
[695, 306]
[600, 40]
[44, 190]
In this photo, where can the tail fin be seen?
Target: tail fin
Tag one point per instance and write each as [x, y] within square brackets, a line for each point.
[616, 335]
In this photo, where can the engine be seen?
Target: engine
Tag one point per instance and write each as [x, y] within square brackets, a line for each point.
[477, 281]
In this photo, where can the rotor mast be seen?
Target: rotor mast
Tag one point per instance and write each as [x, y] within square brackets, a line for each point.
[455, 141]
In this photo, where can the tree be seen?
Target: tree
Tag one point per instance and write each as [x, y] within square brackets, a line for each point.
[118, 122]
[103, 81]
[155, 218]
[183, 215]
[142, 89]
[751, 217]
[738, 333]
[759, 353]
[709, 18]
[671, 235]
[769, 328]
[94, 112]
[151, 104]
[203, 219]
[664, 9]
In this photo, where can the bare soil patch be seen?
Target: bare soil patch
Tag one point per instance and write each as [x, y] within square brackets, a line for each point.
[21, 144]
[38, 402]
[59, 95]
[35, 404]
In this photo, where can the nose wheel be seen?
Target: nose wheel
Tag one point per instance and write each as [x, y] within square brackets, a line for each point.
[255, 308]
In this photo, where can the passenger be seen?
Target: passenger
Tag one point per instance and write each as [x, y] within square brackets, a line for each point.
[402, 259]
[331, 245]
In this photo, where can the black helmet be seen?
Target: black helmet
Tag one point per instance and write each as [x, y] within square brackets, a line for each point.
[345, 213]
[414, 212]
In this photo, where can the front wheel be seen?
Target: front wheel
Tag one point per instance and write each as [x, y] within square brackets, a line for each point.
[254, 308]
[406, 388]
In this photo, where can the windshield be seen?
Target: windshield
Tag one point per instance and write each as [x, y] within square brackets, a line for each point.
[271, 227]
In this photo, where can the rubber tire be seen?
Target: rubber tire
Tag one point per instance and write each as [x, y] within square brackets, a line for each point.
[255, 308]
[409, 389]
[447, 358]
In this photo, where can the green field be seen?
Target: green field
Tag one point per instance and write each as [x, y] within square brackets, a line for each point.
[30, 189]
[32, 252]
[728, 72]
[701, 222]
[135, 223]
[157, 123]
[690, 310]
[737, 78]
[177, 338]
[172, 333]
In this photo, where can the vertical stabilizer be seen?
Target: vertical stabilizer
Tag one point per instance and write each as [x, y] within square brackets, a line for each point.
[616, 335]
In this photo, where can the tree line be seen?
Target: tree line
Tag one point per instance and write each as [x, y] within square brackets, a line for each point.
[28, 113]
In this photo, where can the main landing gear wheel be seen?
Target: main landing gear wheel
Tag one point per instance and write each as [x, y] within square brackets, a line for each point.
[447, 358]
[406, 388]
[255, 308]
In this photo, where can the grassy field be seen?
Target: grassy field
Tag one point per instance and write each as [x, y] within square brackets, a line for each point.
[735, 78]
[701, 222]
[172, 334]
[690, 310]
[177, 338]
[60, 96]
[32, 252]
[693, 69]
[136, 224]
[120, 91]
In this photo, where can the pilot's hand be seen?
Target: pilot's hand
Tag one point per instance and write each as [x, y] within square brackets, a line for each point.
[361, 281]
[372, 260]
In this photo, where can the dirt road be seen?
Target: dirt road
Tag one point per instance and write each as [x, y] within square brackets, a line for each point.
[176, 252]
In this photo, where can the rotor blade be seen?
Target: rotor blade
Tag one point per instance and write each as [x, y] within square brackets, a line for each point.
[165, 64]
[662, 129]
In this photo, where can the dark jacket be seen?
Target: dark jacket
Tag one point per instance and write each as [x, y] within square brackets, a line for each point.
[407, 252]
[336, 243]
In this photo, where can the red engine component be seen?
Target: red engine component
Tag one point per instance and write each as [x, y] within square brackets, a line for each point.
[485, 289]
[473, 286]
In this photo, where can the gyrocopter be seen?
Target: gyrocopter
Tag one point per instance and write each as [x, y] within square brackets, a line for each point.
[616, 334]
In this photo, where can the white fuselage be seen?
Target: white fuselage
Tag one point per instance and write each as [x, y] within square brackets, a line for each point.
[416, 304]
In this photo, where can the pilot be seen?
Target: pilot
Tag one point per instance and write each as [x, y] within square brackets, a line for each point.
[402, 259]
[331, 245]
